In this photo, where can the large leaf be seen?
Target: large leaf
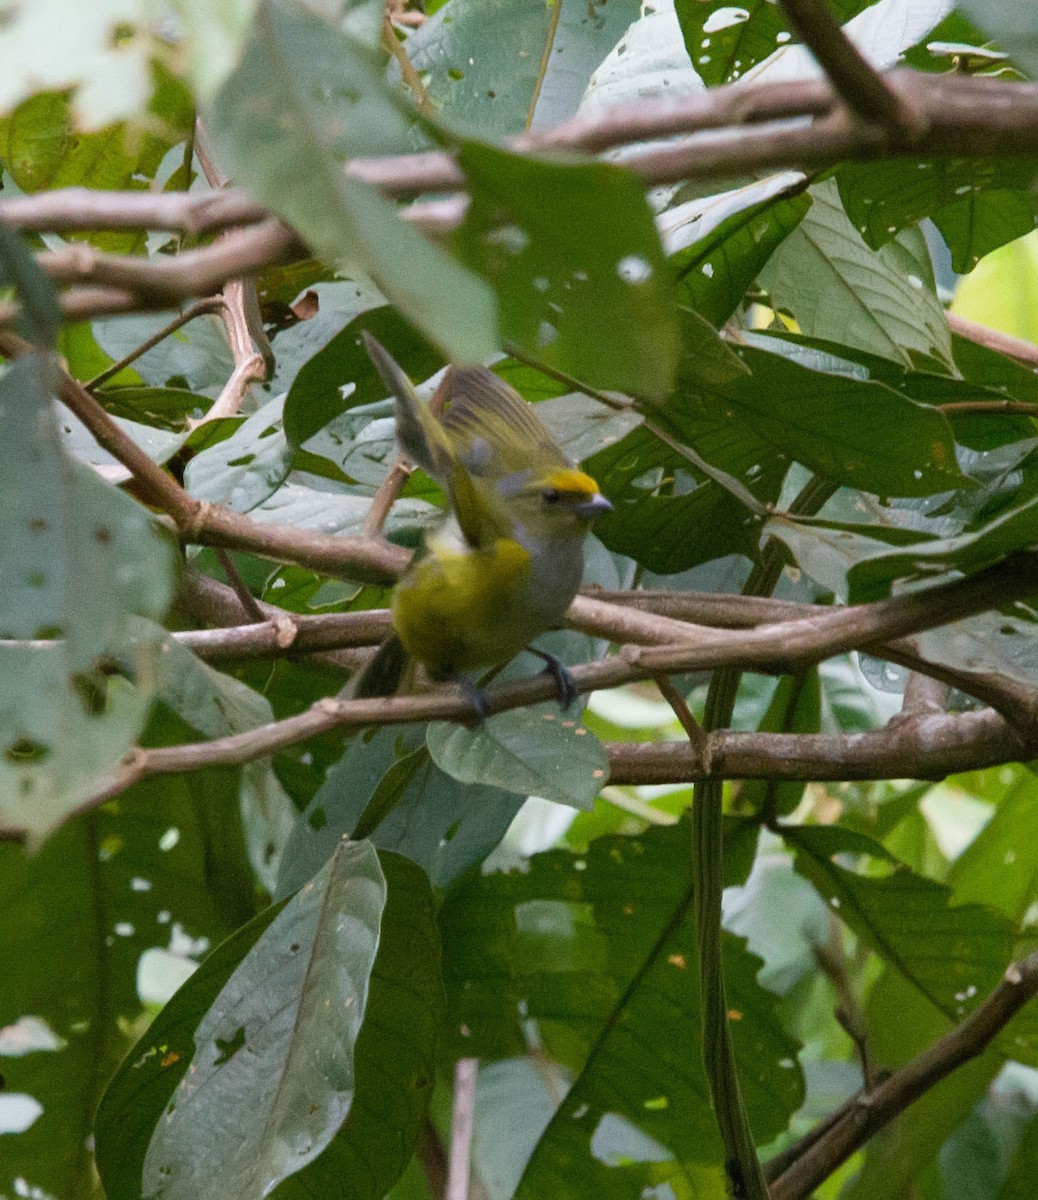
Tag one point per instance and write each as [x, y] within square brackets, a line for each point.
[111, 913]
[953, 954]
[977, 205]
[534, 752]
[272, 1078]
[719, 244]
[497, 68]
[396, 1043]
[592, 299]
[836, 287]
[597, 949]
[418, 810]
[245, 469]
[724, 40]
[80, 561]
[342, 365]
[305, 97]
[836, 425]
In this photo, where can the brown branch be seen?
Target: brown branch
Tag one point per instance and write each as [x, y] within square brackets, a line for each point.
[77, 209]
[858, 83]
[930, 747]
[994, 339]
[793, 644]
[863, 1117]
[211, 525]
[964, 116]
[168, 280]
[240, 314]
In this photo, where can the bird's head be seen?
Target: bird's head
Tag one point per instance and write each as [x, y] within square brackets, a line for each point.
[560, 502]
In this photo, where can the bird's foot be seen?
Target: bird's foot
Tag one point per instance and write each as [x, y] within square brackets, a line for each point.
[564, 684]
[475, 696]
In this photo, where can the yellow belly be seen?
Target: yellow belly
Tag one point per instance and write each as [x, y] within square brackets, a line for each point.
[455, 611]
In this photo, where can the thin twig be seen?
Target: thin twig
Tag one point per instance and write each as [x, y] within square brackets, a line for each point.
[860, 1120]
[393, 46]
[463, 1112]
[384, 499]
[198, 309]
[698, 738]
[246, 598]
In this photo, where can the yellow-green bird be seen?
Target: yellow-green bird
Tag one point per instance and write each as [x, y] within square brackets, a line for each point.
[507, 561]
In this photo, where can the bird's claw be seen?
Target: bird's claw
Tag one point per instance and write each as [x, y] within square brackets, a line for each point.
[564, 684]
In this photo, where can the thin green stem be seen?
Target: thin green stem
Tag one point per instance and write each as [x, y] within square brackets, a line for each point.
[743, 1165]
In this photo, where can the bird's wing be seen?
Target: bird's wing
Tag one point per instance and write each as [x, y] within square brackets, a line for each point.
[492, 428]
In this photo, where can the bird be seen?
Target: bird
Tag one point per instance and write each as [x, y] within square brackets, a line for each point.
[504, 565]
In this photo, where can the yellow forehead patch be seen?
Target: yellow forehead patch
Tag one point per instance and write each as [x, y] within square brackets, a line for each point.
[572, 481]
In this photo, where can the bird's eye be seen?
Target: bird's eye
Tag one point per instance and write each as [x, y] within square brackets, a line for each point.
[551, 496]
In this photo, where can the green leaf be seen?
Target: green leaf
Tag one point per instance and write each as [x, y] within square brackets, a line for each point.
[652, 518]
[977, 205]
[495, 68]
[394, 1059]
[598, 950]
[1012, 530]
[396, 1051]
[1023, 1168]
[837, 426]
[593, 299]
[999, 868]
[902, 1024]
[139, 1092]
[305, 97]
[316, 398]
[953, 954]
[725, 41]
[115, 906]
[836, 287]
[428, 816]
[40, 316]
[245, 469]
[719, 244]
[80, 561]
[272, 1078]
[533, 752]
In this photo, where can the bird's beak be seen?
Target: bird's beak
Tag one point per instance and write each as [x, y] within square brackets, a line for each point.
[595, 506]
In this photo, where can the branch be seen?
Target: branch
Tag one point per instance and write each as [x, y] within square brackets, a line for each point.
[994, 339]
[212, 525]
[925, 747]
[862, 1117]
[794, 644]
[167, 280]
[858, 83]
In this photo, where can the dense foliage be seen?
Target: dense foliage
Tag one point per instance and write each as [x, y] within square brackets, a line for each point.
[249, 928]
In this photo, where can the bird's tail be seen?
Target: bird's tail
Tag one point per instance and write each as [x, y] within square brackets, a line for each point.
[385, 673]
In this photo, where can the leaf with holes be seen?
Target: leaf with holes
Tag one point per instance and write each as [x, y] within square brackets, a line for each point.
[591, 299]
[420, 811]
[836, 287]
[272, 1077]
[394, 1054]
[304, 98]
[80, 562]
[598, 950]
